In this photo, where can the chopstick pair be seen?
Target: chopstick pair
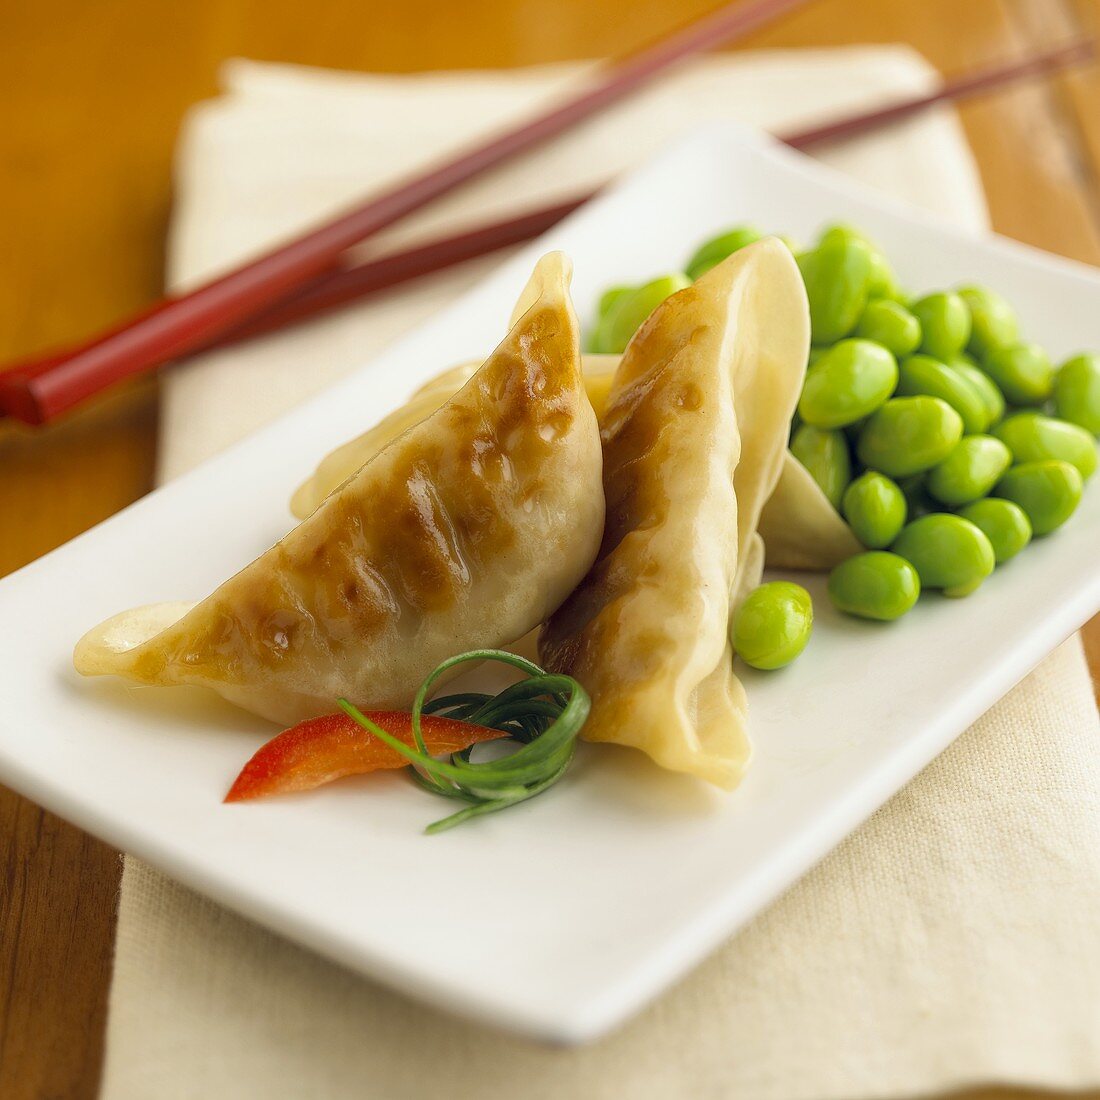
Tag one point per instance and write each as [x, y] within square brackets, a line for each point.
[304, 277]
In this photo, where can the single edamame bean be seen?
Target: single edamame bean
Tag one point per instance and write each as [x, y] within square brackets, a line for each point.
[712, 252]
[1048, 491]
[1005, 525]
[825, 455]
[993, 320]
[944, 324]
[921, 374]
[890, 324]
[984, 386]
[1032, 437]
[625, 317]
[875, 585]
[970, 471]
[908, 435]
[947, 552]
[1077, 391]
[773, 625]
[837, 275]
[883, 283]
[875, 509]
[847, 383]
[1022, 372]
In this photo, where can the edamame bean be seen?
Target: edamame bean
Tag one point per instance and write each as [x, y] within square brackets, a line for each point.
[890, 324]
[628, 312]
[838, 276]
[883, 283]
[875, 509]
[944, 324]
[993, 320]
[985, 387]
[773, 625]
[825, 455]
[1077, 391]
[947, 552]
[1048, 491]
[1005, 525]
[847, 383]
[970, 471]
[908, 435]
[711, 253]
[1022, 372]
[875, 585]
[921, 374]
[1032, 437]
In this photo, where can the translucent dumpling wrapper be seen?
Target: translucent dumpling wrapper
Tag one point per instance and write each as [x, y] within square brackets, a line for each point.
[464, 531]
[694, 436]
[799, 526]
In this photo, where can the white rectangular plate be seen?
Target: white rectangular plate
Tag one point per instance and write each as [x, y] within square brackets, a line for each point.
[571, 910]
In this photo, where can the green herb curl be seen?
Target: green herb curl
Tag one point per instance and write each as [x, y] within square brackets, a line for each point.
[544, 713]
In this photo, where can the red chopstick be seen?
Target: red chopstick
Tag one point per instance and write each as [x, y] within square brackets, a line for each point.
[24, 390]
[177, 325]
[335, 289]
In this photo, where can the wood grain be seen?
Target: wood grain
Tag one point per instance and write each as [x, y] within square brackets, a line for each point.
[93, 96]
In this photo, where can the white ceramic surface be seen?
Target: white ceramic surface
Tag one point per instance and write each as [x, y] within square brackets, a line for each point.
[561, 917]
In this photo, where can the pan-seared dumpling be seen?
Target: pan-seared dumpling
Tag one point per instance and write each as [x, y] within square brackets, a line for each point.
[694, 436]
[799, 525]
[467, 530]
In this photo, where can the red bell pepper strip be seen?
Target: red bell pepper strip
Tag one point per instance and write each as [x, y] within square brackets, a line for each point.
[320, 750]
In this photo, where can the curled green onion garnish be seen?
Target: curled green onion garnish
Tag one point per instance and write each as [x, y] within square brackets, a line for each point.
[543, 713]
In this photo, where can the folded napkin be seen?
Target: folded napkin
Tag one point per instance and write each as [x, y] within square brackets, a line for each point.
[952, 940]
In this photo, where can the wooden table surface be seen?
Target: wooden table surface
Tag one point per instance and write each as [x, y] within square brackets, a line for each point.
[92, 98]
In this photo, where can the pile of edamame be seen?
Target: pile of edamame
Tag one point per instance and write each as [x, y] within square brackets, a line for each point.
[945, 439]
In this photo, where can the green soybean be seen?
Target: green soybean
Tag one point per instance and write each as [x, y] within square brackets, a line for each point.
[773, 625]
[847, 383]
[983, 385]
[993, 320]
[921, 374]
[1077, 391]
[908, 435]
[1023, 373]
[890, 324]
[1048, 491]
[947, 552]
[944, 324]
[825, 455]
[628, 312]
[875, 585]
[1005, 525]
[875, 509]
[970, 471]
[1032, 437]
[882, 283]
[838, 275]
[712, 252]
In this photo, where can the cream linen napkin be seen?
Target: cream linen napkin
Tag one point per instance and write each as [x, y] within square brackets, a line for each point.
[952, 940]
